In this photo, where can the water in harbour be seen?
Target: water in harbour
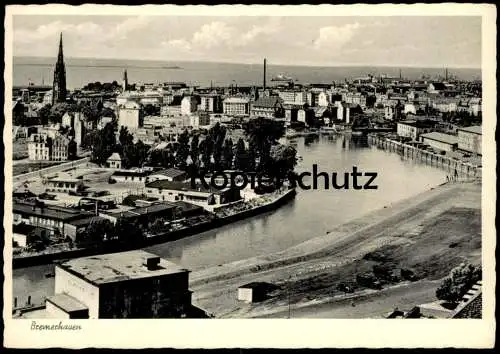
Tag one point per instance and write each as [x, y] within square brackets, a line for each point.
[312, 213]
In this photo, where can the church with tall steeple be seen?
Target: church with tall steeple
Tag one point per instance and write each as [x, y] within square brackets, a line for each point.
[59, 86]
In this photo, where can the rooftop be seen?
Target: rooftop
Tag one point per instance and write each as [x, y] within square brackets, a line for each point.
[50, 212]
[441, 137]
[236, 100]
[171, 172]
[67, 303]
[153, 208]
[117, 267]
[115, 157]
[181, 186]
[268, 102]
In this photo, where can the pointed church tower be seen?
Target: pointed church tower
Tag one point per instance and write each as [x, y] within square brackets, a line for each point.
[59, 86]
[125, 80]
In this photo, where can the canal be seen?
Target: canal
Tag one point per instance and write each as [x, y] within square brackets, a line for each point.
[312, 213]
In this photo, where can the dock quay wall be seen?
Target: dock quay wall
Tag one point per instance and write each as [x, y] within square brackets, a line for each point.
[39, 259]
[463, 169]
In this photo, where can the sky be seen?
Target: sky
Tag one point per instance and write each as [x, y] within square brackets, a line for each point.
[453, 41]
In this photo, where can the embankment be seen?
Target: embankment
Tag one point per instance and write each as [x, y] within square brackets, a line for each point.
[321, 246]
[47, 258]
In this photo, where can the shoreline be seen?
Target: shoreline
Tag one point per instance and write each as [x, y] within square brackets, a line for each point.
[317, 246]
[215, 287]
[48, 258]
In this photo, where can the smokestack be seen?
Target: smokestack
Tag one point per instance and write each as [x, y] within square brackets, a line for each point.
[265, 68]
[446, 74]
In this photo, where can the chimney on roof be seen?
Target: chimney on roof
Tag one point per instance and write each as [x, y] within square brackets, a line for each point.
[151, 262]
[265, 68]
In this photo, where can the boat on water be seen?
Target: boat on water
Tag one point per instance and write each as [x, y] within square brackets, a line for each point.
[328, 130]
[291, 133]
[282, 77]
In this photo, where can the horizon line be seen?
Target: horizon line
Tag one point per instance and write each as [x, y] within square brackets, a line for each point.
[435, 66]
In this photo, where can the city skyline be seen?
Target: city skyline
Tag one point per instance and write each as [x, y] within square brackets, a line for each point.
[329, 41]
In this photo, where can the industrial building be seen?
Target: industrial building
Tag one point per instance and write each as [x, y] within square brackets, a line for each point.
[134, 284]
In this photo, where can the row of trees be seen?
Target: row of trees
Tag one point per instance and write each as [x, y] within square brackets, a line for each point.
[202, 153]
[213, 151]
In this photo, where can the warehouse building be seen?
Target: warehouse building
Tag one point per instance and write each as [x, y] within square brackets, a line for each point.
[134, 284]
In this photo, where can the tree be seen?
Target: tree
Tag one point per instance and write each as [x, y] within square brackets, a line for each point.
[217, 134]
[195, 149]
[72, 150]
[283, 161]
[95, 233]
[460, 280]
[262, 133]
[44, 113]
[241, 157]
[57, 111]
[151, 110]
[103, 144]
[182, 152]
[128, 232]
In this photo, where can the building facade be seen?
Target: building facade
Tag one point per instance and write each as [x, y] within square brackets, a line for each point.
[236, 106]
[470, 139]
[134, 284]
[130, 115]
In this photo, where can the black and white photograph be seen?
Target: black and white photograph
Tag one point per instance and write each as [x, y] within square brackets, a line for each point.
[234, 164]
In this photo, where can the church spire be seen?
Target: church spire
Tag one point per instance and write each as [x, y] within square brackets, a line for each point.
[59, 86]
[60, 56]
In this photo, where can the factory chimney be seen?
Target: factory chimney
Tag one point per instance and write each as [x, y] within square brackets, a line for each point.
[265, 67]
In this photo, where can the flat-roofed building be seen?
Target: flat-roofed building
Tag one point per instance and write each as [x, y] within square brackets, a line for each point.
[470, 139]
[236, 106]
[46, 216]
[414, 128]
[130, 115]
[64, 185]
[137, 176]
[440, 141]
[169, 174]
[134, 284]
[199, 194]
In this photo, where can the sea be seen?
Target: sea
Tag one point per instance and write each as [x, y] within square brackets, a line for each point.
[80, 71]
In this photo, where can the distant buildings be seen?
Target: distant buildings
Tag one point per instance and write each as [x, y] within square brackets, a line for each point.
[166, 190]
[211, 103]
[414, 128]
[293, 97]
[189, 105]
[43, 147]
[268, 107]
